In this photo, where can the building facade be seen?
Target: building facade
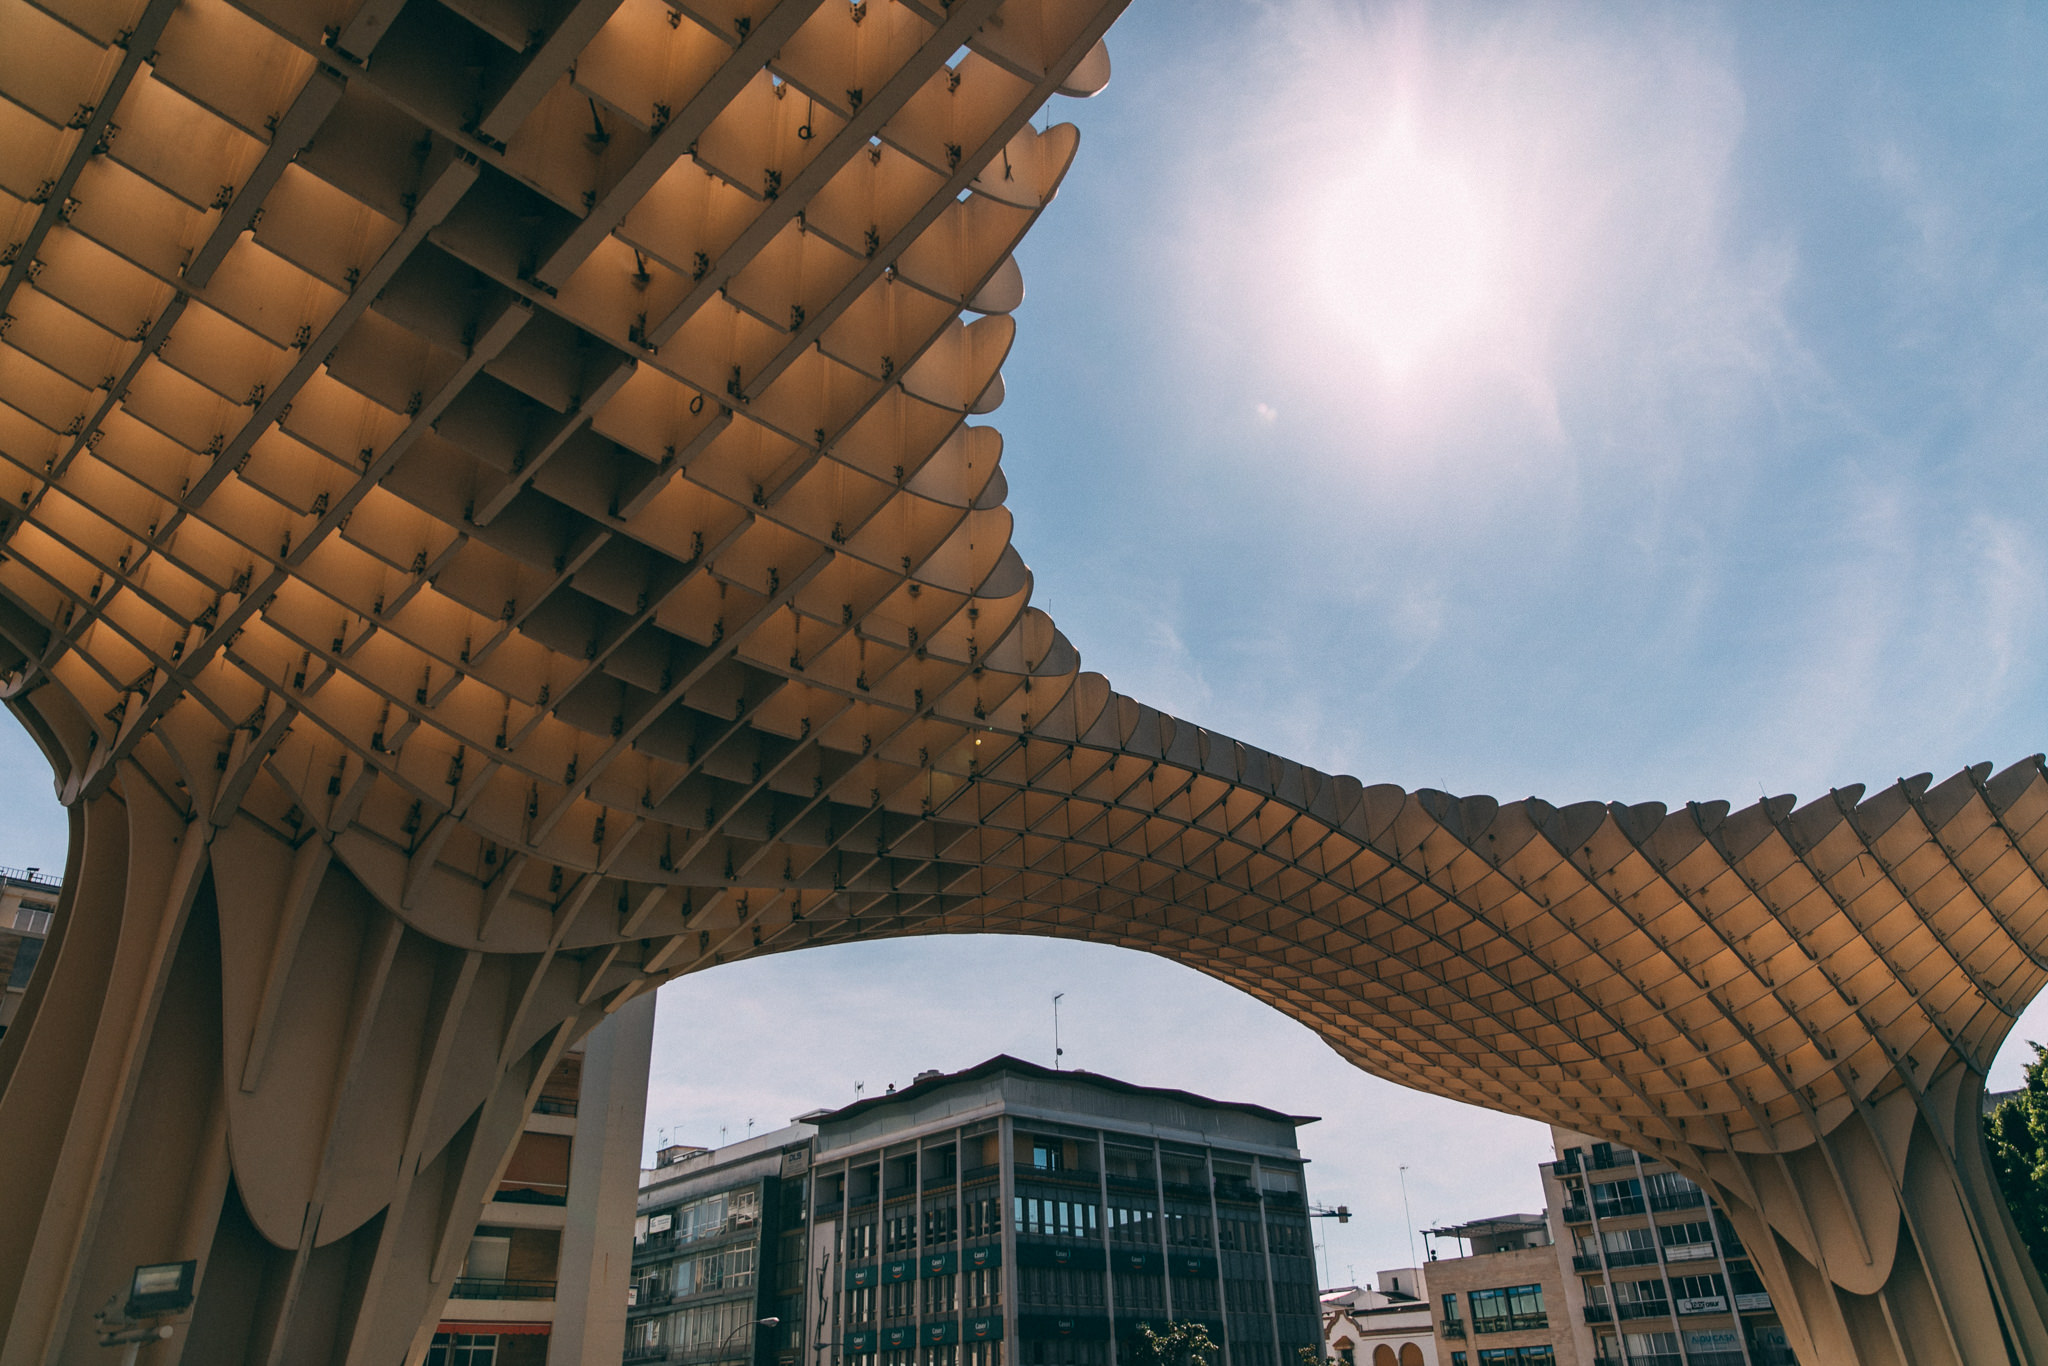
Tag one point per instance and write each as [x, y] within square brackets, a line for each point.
[1630, 1265]
[28, 909]
[546, 1279]
[1505, 1304]
[1005, 1215]
[1662, 1278]
[718, 1247]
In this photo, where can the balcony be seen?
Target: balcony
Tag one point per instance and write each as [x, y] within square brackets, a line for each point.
[636, 1355]
[1689, 1252]
[1618, 1208]
[556, 1105]
[1576, 1214]
[1511, 1323]
[532, 1192]
[1670, 1200]
[1645, 1309]
[1452, 1329]
[478, 1288]
[1599, 1313]
[1633, 1256]
[1582, 1263]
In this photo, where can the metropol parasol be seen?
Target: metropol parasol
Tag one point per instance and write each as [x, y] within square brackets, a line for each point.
[494, 519]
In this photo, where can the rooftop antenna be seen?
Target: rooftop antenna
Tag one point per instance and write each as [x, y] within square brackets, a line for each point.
[1408, 1218]
[750, 1128]
[859, 1089]
[721, 1140]
[1057, 1051]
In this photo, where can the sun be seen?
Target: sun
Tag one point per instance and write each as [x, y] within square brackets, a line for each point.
[1407, 249]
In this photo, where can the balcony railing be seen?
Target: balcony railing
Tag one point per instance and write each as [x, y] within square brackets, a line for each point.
[1576, 1214]
[1599, 1313]
[1633, 1256]
[1670, 1200]
[1616, 1208]
[1454, 1328]
[636, 1355]
[484, 1288]
[555, 1105]
[1644, 1309]
[1582, 1262]
[533, 1192]
[1511, 1323]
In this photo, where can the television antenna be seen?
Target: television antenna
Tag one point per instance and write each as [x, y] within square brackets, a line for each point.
[1057, 1051]
[1406, 1217]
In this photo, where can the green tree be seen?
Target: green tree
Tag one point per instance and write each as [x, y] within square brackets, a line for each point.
[1183, 1343]
[2016, 1132]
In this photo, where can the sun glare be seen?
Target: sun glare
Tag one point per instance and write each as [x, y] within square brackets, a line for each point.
[1405, 250]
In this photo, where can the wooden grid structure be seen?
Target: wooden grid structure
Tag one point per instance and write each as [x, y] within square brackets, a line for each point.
[493, 520]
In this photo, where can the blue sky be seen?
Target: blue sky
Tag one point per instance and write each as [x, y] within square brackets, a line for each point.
[1617, 402]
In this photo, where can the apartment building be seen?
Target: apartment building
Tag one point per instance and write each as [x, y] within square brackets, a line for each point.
[1004, 1215]
[1507, 1303]
[718, 1253]
[28, 909]
[1630, 1265]
[1663, 1278]
[546, 1279]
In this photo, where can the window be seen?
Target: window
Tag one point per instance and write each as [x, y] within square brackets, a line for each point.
[1614, 1198]
[941, 1223]
[1186, 1228]
[1630, 1247]
[32, 919]
[726, 1329]
[463, 1349]
[1457, 1359]
[1669, 1190]
[729, 1269]
[984, 1217]
[1044, 1217]
[25, 955]
[1635, 1299]
[1508, 1309]
[1687, 1242]
[1451, 1310]
[1698, 1294]
[1047, 1155]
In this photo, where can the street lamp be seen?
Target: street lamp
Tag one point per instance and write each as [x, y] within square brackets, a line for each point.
[770, 1322]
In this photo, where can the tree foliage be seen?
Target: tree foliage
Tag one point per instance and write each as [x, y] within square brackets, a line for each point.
[1183, 1343]
[2016, 1132]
